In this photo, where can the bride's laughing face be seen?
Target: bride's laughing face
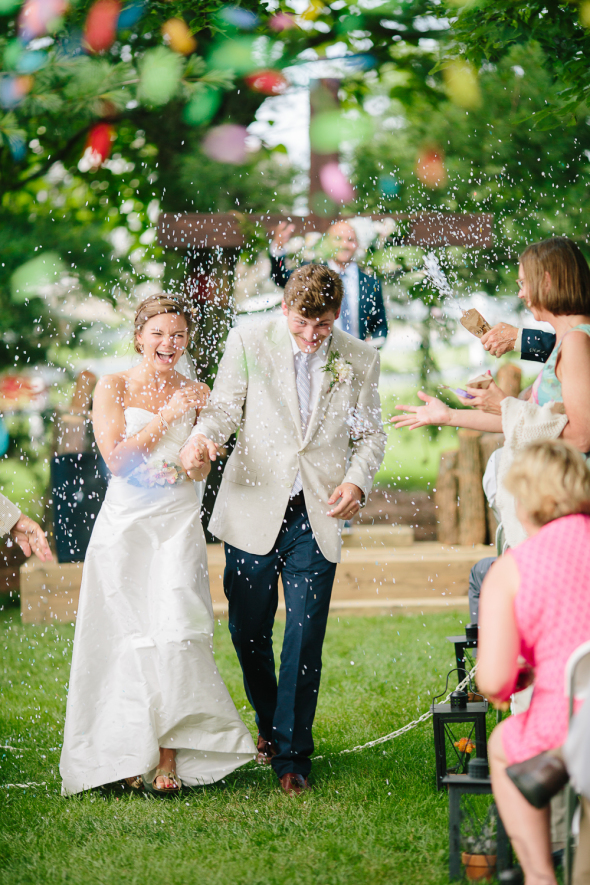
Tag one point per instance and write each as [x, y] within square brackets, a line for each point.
[163, 340]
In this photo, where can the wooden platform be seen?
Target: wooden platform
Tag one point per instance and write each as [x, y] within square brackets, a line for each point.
[424, 575]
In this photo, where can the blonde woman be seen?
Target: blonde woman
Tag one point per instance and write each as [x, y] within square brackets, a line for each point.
[145, 697]
[535, 603]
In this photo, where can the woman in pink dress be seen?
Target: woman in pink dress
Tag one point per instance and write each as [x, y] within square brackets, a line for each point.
[535, 603]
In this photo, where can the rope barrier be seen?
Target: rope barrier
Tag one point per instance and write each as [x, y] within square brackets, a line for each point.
[381, 740]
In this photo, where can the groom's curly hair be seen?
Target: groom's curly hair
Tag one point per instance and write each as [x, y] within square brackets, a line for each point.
[313, 289]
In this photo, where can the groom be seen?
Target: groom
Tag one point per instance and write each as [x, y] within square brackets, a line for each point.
[303, 397]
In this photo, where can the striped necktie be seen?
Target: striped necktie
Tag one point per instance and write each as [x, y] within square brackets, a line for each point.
[303, 388]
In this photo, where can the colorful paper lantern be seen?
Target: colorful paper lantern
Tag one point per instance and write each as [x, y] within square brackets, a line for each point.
[101, 25]
[335, 183]
[226, 144]
[267, 82]
[100, 141]
[178, 36]
[430, 168]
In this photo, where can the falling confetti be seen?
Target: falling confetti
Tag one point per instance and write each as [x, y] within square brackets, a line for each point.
[226, 143]
[335, 184]
[178, 36]
[267, 82]
[101, 25]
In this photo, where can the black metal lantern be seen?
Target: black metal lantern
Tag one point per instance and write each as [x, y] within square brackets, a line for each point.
[477, 836]
[459, 733]
[462, 643]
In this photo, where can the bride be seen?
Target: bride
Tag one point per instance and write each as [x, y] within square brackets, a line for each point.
[146, 702]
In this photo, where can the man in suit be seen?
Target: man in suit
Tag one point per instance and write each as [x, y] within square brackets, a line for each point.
[363, 311]
[532, 343]
[302, 395]
[25, 531]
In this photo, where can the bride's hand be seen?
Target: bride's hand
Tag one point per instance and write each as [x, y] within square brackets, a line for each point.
[181, 401]
[434, 412]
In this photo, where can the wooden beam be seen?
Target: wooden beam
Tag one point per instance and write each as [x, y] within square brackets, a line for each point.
[225, 230]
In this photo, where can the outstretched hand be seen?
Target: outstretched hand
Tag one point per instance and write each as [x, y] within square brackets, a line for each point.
[434, 412]
[282, 235]
[198, 452]
[30, 537]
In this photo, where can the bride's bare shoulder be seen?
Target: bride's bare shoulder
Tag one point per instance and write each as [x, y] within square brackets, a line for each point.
[112, 386]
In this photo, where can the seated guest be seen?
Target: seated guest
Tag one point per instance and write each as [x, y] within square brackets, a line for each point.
[363, 310]
[535, 603]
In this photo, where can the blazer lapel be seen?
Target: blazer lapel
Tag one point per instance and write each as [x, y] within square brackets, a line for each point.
[285, 366]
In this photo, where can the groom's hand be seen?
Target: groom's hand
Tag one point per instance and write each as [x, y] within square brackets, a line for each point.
[198, 452]
[350, 501]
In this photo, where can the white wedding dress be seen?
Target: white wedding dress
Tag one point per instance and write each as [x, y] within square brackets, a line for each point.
[143, 674]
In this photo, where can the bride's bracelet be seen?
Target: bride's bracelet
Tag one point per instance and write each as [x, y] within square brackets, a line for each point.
[163, 421]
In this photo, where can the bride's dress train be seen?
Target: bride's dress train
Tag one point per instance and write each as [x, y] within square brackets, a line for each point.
[143, 673]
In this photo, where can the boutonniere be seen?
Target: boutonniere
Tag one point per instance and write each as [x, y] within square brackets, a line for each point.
[340, 369]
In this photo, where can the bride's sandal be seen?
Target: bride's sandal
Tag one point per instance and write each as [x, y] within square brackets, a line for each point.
[166, 791]
[136, 783]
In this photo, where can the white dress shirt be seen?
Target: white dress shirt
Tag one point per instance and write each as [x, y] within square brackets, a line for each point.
[317, 361]
[350, 280]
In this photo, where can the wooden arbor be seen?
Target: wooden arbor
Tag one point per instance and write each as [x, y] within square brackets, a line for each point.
[212, 244]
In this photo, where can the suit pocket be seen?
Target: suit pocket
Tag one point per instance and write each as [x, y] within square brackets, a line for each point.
[240, 475]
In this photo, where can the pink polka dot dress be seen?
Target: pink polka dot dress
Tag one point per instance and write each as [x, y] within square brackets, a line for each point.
[552, 609]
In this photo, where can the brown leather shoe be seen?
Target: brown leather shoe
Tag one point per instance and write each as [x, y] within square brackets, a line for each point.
[294, 784]
[265, 751]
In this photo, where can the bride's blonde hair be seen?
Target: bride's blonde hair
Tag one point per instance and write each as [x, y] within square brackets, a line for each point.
[156, 305]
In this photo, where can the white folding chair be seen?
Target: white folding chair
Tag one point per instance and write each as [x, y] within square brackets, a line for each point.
[577, 689]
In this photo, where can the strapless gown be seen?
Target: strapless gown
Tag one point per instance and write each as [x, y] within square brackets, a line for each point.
[143, 673]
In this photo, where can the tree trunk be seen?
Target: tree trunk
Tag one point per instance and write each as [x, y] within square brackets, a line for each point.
[445, 498]
[509, 379]
[488, 444]
[472, 512]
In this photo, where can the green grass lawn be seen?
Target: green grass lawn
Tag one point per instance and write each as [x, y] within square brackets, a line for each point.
[372, 817]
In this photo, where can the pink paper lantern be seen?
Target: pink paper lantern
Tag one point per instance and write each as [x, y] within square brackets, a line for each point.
[226, 144]
[37, 15]
[335, 183]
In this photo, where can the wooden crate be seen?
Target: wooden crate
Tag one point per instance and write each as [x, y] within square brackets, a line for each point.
[49, 591]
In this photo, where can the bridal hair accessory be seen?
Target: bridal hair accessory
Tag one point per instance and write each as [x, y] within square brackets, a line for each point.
[339, 368]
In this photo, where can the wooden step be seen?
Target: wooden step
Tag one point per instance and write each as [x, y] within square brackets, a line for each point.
[365, 536]
[425, 575]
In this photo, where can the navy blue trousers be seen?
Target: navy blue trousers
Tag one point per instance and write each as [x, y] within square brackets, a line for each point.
[285, 710]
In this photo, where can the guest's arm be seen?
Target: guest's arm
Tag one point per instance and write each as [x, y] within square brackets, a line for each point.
[573, 370]
[278, 267]
[499, 641]
[537, 345]
[532, 343]
[438, 413]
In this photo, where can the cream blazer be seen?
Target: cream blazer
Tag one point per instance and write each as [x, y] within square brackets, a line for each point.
[255, 394]
[9, 515]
